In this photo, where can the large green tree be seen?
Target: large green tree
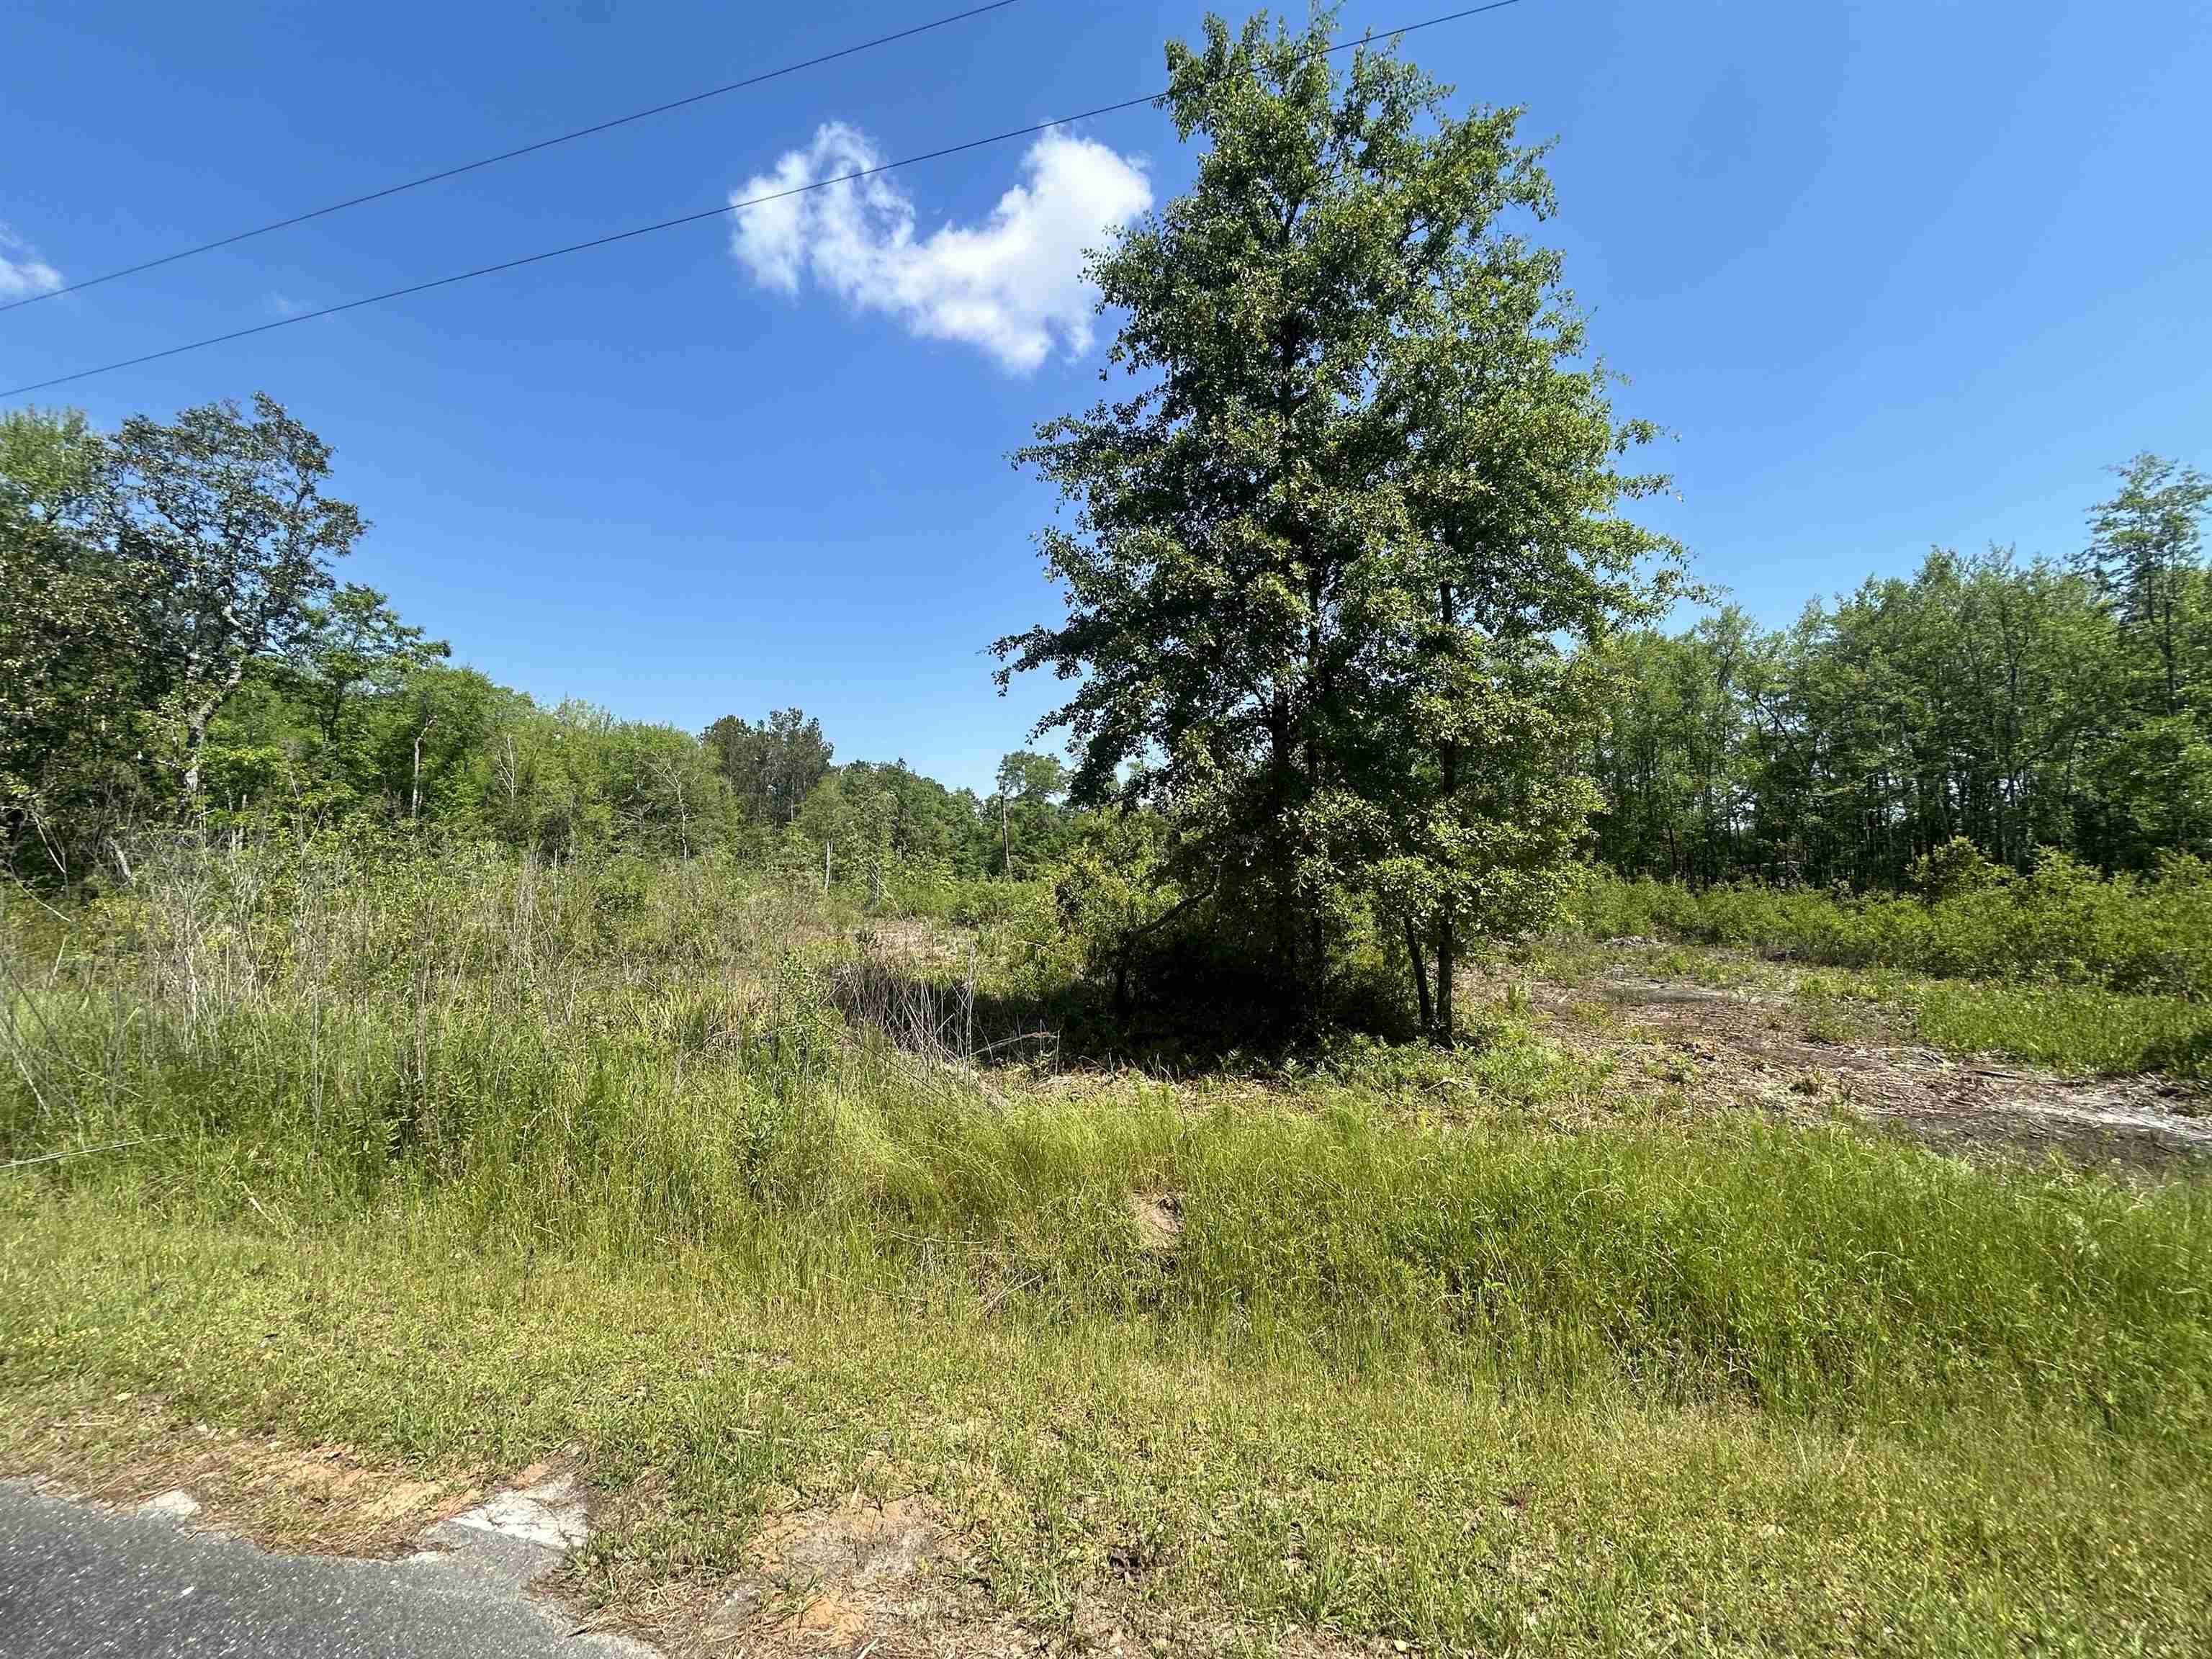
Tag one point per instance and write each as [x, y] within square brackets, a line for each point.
[77, 662]
[2145, 554]
[227, 511]
[1028, 784]
[1323, 555]
[1520, 561]
[771, 767]
[354, 644]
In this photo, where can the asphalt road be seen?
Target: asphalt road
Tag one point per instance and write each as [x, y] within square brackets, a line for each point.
[77, 1580]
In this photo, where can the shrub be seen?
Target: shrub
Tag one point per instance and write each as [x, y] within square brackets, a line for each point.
[2062, 922]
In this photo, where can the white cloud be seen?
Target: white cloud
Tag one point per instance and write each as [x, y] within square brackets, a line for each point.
[283, 305]
[1012, 284]
[22, 273]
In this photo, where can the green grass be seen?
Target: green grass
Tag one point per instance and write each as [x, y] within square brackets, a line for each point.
[460, 1166]
[2074, 1029]
[1271, 1486]
[2070, 1028]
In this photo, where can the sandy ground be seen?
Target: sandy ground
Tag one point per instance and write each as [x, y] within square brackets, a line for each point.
[1757, 1044]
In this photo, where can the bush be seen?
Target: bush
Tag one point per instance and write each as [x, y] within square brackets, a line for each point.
[1956, 868]
[2062, 922]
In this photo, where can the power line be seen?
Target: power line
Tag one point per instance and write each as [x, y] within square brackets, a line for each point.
[510, 154]
[694, 218]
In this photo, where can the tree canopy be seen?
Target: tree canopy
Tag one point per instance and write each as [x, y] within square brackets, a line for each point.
[2021, 704]
[1330, 547]
[1361, 633]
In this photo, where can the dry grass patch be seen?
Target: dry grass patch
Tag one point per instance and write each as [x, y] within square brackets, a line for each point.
[125, 1449]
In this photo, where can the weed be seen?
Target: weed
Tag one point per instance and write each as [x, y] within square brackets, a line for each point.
[459, 1165]
[2062, 923]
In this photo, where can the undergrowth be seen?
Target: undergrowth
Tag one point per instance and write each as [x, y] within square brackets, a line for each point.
[2062, 923]
[391, 1123]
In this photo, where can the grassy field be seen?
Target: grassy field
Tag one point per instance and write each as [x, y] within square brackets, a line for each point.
[463, 1162]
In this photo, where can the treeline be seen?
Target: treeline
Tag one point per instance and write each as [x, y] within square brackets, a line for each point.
[2021, 705]
[175, 644]
[1350, 578]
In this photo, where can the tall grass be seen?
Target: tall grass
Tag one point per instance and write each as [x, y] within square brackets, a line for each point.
[2070, 1028]
[2062, 968]
[642, 1060]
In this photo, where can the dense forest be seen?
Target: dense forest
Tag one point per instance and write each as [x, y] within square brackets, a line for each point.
[2021, 704]
[178, 645]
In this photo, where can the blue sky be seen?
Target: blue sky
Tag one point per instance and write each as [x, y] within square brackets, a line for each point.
[1895, 274]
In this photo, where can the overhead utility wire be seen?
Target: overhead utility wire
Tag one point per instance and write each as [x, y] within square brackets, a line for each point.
[510, 154]
[694, 218]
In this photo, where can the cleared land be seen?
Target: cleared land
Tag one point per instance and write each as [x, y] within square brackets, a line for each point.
[1707, 1304]
[1820, 1045]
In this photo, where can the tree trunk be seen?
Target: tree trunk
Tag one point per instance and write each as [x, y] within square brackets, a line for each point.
[1448, 762]
[1318, 703]
[415, 784]
[1420, 973]
[1278, 789]
[2166, 651]
[1445, 945]
[197, 723]
[195, 726]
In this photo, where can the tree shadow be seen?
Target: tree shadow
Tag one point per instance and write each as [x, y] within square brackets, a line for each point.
[1169, 1024]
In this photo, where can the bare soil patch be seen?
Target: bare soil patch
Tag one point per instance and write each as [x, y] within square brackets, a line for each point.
[875, 1579]
[889, 1578]
[1157, 1218]
[1760, 1046]
[131, 1450]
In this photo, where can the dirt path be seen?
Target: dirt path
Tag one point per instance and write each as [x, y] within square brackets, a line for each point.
[1761, 1045]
